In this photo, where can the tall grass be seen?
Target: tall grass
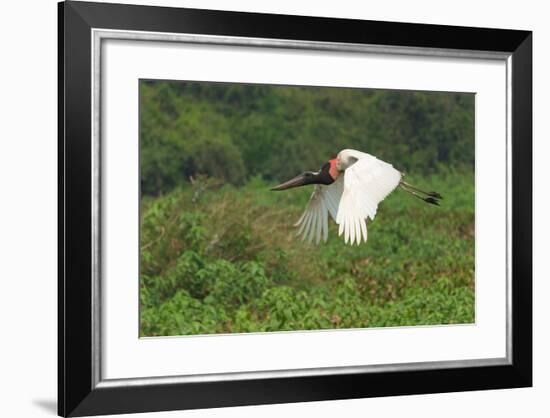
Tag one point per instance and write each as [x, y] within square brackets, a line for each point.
[218, 259]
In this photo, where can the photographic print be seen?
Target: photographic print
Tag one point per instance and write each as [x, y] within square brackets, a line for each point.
[341, 207]
[269, 208]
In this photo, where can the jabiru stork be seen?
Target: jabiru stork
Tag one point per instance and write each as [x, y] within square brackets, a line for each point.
[349, 189]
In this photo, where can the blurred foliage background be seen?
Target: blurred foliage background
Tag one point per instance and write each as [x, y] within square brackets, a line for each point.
[218, 251]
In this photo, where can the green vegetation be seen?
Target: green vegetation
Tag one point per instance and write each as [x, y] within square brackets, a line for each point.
[236, 131]
[219, 253]
[227, 260]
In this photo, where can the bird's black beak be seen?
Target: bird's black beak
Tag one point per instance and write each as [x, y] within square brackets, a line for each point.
[300, 180]
[309, 177]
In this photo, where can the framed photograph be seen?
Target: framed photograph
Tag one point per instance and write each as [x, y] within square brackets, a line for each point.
[265, 208]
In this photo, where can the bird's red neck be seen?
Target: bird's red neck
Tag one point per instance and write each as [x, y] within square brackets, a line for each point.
[333, 171]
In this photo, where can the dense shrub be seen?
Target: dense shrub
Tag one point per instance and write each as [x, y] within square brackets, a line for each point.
[217, 260]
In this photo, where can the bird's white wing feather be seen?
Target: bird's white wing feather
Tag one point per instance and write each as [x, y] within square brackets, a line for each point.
[366, 184]
[324, 201]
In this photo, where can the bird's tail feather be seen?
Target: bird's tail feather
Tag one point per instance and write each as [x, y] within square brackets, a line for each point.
[432, 198]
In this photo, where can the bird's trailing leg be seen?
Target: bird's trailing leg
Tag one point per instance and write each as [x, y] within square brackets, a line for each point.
[428, 197]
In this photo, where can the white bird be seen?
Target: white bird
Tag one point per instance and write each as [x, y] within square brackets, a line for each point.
[349, 189]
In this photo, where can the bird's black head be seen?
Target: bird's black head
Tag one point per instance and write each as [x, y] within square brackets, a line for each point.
[309, 177]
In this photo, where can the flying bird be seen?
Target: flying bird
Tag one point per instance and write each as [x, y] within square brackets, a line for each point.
[349, 189]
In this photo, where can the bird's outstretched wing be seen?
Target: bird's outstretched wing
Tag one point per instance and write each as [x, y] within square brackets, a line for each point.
[366, 184]
[323, 202]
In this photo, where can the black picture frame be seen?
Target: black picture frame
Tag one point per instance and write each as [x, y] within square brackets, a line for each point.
[77, 393]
